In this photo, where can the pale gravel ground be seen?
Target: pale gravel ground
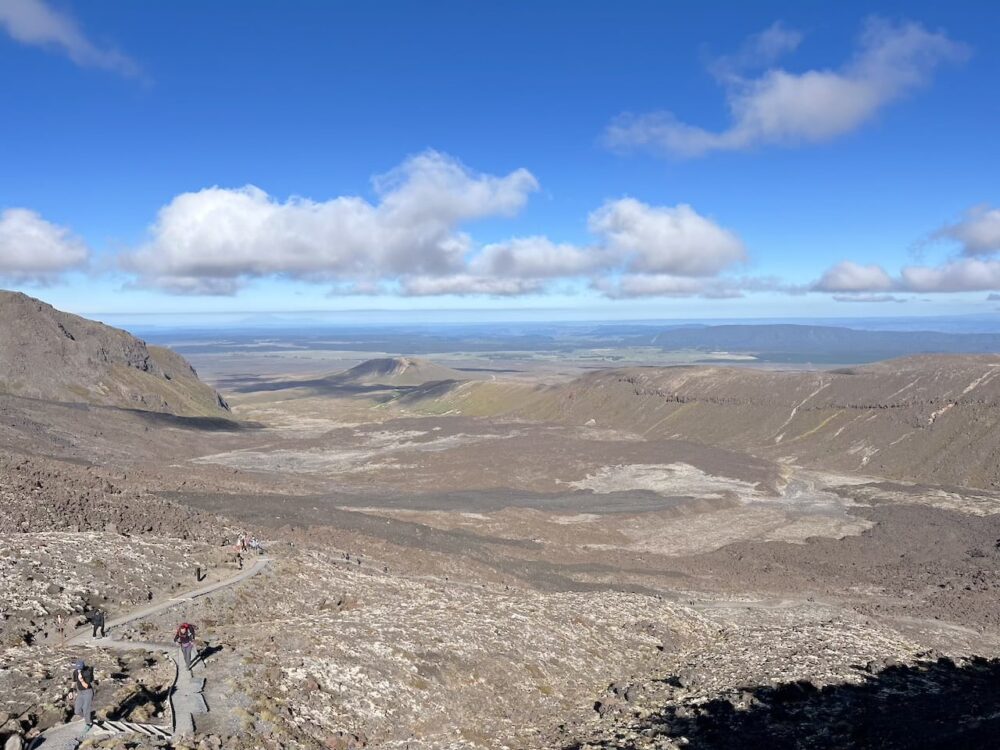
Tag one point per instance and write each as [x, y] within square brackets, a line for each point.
[109, 569]
[376, 452]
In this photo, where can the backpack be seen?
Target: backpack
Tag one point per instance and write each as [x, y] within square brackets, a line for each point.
[185, 630]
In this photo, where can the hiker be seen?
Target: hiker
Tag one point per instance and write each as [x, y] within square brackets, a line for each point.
[97, 620]
[239, 559]
[184, 637]
[83, 686]
[61, 627]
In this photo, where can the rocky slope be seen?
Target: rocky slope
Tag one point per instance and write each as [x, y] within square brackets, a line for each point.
[41, 495]
[924, 419]
[52, 355]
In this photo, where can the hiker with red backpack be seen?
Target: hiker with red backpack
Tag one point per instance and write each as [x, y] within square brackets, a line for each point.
[184, 637]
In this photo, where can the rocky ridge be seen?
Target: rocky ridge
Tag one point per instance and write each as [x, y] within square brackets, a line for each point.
[396, 371]
[52, 355]
[931, 419]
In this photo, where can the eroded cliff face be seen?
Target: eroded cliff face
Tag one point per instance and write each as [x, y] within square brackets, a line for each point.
[52, 355]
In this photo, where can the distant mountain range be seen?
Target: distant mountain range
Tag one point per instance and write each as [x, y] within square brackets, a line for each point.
[826, 344]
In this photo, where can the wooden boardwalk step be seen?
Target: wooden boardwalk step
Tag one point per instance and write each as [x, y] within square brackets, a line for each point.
[132, 727]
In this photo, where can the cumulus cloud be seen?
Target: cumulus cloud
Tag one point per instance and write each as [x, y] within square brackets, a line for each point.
[853, 277]
[34, 250]
[962, 275]
[411, 240]
[639, 250]
[536, 258]
[665, 240]
[785, 108]
[978, 232]
[630, 237]
[852, 282]
[975, 269]
[468, 284]
[34, 23]
[211, 241]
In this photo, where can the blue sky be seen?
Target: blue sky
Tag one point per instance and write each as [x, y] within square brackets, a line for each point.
[637, 159]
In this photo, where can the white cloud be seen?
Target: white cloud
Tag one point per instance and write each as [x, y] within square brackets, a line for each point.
[780, 107]
[962, 275]
[853, 277]
[758, 51]
[411, 241]
[34, 250]
[978, 231]
[975, 270]
[210, 241]
[640, 250]
[536, 258]
[466, 284]
[664, 240]
[631, 237]
[35, 23]
[851, 282]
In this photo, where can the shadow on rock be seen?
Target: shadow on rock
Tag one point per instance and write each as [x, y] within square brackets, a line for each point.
[928, 705]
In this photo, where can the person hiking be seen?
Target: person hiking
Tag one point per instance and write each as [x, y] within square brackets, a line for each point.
[97, 620]
[184, 637]
[83, 686]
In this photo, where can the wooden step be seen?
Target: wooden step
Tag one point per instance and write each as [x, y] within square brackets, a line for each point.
[133, 727]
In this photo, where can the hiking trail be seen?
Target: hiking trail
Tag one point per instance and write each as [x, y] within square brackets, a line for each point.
[186, 694]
